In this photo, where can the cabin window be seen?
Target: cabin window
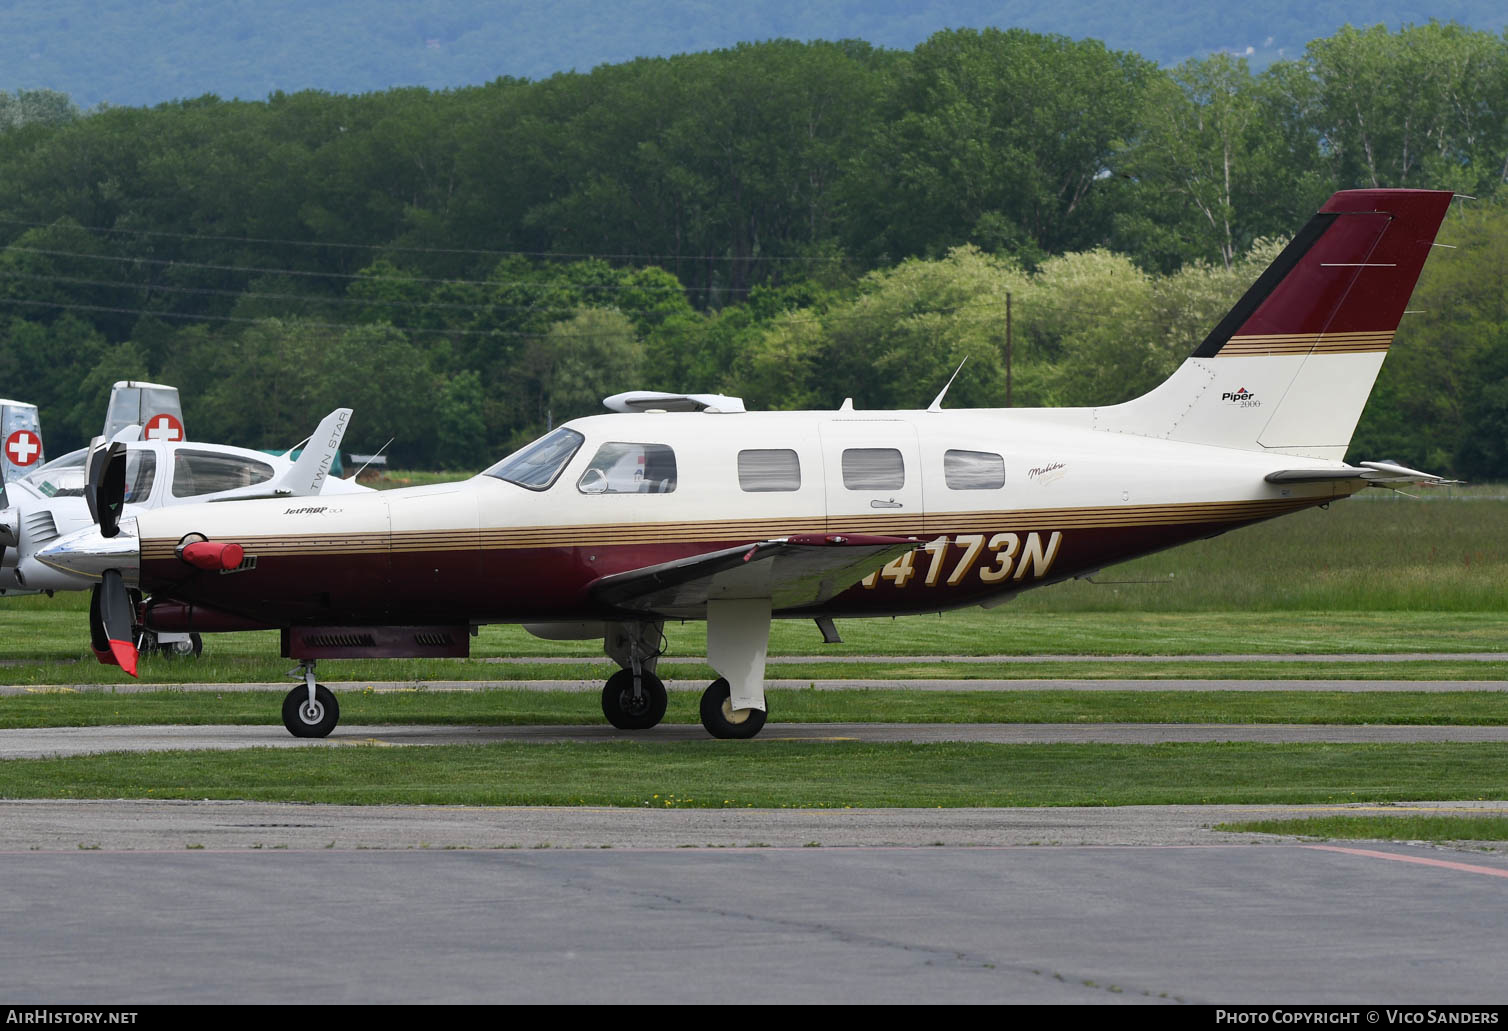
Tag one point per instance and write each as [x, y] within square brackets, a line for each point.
[204, 472]
[973, 470]
[622, 468]
[537, 465]
[141, 470]
[873, 468]
[769, 470]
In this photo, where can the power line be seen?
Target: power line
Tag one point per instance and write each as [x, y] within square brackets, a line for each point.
[151, 288]
[351, 276]
[247, 320]
[483, 252]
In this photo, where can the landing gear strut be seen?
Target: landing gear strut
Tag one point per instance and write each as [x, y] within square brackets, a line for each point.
[310, 710]
[634, 697]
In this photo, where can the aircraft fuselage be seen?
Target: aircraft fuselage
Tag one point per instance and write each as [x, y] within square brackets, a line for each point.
[1000, 502]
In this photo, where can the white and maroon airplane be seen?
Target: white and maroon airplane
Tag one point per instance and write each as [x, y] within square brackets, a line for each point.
[613, 524]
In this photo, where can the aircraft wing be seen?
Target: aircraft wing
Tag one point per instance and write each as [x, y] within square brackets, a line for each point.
[800, 570]
[1372, 472]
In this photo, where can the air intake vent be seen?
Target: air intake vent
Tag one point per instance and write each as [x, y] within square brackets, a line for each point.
[340, 640]
[249, 562]
[39, 527]
[377, 642]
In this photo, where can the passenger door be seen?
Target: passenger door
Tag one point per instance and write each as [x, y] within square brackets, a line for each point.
[873, 476]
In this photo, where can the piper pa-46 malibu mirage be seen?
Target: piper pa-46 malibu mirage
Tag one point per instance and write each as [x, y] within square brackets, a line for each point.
[613, 524]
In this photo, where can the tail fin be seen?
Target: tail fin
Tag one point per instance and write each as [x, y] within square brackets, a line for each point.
[20, 440]
[1290, 368]
[307, 476]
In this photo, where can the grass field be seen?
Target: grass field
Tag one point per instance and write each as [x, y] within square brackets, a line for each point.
[1384, 828]
[775, 774]
[519, 708]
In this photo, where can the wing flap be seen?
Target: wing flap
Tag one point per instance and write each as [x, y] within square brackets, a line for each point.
[800, 570]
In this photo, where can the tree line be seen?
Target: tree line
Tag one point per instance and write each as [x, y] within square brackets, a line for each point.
[792, 222]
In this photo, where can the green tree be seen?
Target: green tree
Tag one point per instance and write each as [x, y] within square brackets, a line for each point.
[35, 107]
[460, 428]
[1419, 107]
[579, 361]
[1001, 138]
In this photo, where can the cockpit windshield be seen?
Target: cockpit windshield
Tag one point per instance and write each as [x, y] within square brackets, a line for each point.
[537, 465]
[62, 477]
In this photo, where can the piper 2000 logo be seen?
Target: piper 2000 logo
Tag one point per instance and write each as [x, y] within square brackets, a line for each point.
[1242, 398]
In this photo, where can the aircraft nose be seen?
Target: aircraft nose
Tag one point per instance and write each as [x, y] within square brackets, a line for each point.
[89, 553]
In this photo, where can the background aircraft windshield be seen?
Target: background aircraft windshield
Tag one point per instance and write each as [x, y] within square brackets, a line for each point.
[537, 465]
[62, 477]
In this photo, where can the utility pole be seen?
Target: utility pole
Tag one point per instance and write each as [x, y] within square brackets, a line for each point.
[1007, 349]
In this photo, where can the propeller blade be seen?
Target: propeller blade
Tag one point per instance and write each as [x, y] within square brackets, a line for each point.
[105, 487]
[110, 623]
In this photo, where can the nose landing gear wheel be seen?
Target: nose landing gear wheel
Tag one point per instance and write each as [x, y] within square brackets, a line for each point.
[724, 721]
[626, 711]
[310, 720]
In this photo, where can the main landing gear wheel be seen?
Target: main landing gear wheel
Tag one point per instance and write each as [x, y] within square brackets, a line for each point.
[628, 711]
[304, 719]
[724, 721]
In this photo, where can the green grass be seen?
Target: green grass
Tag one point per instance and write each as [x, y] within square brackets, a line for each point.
[1384, 828]
[518, 708]
[420, 672]
[1377, 552]
[774, 774]
[56, 630]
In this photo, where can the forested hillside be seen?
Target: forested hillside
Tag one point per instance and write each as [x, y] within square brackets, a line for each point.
[134, 52]
[791, 222]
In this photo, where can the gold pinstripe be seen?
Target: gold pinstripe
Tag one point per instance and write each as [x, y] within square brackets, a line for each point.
[606, 534]
[1305, 343]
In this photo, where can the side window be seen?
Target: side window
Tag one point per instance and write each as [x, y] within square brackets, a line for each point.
[973, 470]
[619, 468]
[203, 472]
[873, 468]
[769, 470]
[141, 470]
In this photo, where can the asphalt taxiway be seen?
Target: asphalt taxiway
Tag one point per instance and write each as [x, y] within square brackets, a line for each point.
[133, 901]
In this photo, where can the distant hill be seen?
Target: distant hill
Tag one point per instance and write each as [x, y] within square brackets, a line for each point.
[142, 52]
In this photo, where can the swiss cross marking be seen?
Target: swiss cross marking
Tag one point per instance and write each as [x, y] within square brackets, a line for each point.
[23, 447]
[164, 427]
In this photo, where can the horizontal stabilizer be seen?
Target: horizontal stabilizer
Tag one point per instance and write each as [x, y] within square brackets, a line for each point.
[795, 571]
[1372, 472]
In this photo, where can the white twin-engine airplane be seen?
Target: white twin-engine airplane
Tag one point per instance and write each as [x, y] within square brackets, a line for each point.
[611, 525]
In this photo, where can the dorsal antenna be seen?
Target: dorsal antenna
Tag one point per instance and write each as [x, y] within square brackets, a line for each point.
[936, 405]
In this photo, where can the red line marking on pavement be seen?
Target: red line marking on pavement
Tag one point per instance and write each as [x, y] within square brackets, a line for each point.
[1445, 863]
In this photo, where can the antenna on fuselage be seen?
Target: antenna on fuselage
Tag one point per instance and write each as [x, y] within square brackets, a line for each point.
[936, 405]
